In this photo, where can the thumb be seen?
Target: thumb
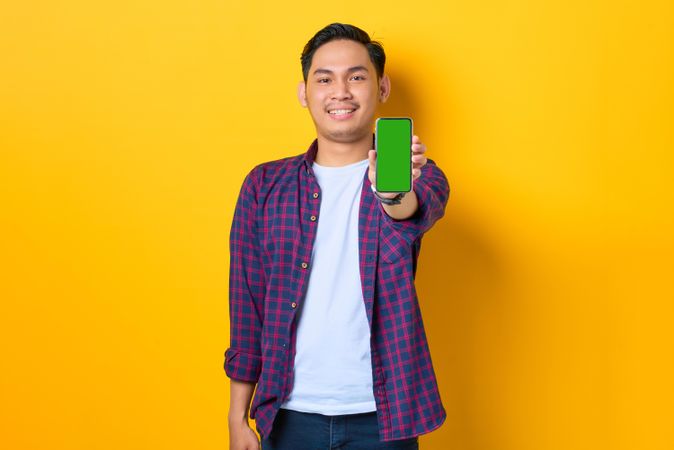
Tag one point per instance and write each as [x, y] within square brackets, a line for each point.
[372, 157]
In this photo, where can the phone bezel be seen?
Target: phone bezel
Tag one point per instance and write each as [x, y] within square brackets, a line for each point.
[376, 136]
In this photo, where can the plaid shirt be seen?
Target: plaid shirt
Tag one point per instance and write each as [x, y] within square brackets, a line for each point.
[271, 242]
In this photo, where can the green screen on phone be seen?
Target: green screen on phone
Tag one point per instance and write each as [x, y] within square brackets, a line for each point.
[393, 141]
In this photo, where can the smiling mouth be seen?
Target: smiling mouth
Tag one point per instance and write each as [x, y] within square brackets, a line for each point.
[341, 113]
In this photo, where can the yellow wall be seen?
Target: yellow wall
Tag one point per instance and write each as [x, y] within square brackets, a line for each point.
[127, 127]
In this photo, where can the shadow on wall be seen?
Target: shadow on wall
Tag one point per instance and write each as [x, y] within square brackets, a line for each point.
[459, 286]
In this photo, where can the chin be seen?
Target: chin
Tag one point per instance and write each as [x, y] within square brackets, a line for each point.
[343, 132]
[345, 136]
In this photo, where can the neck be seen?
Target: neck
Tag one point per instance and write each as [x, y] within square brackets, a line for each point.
[334, 154]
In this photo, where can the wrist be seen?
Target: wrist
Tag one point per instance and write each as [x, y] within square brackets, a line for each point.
[237, 418]
[388, 198]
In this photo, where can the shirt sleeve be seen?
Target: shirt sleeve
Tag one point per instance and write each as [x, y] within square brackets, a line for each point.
[246, 288]
[432, 189]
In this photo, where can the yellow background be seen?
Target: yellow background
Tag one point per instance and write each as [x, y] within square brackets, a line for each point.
[126, 129]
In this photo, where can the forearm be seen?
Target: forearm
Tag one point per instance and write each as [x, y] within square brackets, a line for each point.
[241, 393]
[406, 209]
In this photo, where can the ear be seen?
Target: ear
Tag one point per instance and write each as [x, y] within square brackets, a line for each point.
[302, 93]
[384, 88]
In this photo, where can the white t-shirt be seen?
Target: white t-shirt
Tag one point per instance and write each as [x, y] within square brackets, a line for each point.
[333, 369]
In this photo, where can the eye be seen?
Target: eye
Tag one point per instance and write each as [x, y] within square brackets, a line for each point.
[321, 80]
[359, 77]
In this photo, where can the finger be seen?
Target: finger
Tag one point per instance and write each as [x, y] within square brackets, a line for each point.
[416, 140]
[416, 173]
[420, 159]
[419, 148]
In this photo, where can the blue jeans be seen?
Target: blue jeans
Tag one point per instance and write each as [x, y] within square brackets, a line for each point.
[294, 430]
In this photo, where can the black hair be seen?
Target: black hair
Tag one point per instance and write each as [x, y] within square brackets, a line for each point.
[337, 31]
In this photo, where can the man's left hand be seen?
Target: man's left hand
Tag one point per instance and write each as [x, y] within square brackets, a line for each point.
[418, 161]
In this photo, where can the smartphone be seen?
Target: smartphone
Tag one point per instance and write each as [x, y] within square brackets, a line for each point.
[393, 142]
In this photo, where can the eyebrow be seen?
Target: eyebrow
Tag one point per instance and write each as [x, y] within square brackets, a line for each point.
[351, 69]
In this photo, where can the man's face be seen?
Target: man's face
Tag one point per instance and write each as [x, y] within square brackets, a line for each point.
[342, 91]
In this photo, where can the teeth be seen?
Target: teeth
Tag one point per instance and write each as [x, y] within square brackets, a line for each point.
[341, 111]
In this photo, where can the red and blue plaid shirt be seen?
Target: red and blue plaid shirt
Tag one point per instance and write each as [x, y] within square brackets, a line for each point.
[271, 242]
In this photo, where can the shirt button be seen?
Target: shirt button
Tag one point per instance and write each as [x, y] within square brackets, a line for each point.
[304, 265]
[315, 195]
[294, 305]
[313, 218]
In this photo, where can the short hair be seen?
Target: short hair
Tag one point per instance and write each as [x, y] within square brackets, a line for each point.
[342, 31]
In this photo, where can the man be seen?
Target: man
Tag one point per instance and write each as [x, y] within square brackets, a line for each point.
[323, 311]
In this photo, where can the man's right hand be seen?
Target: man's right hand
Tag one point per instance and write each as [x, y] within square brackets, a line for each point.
[242, 436]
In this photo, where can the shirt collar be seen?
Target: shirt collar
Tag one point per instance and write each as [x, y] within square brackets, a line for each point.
[310, 155]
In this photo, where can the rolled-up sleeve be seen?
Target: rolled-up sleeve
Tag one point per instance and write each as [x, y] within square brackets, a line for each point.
[246, 288]
[432, 190]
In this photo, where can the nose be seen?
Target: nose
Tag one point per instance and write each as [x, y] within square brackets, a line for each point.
[340, 90]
